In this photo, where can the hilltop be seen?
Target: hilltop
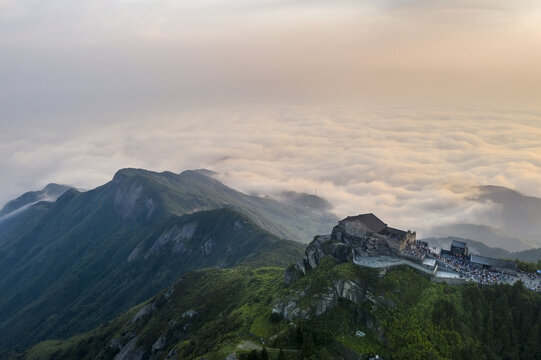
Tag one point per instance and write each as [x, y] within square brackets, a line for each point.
[334, 310]
[70, 265]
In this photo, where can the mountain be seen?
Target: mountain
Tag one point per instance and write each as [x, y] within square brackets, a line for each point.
[49, 193]
[488, 235]
[518, 214]
[476, 247]
[17, 206]
[70, 265]
[306, 200]
[337, 310]
[193, 191]
[512, 223]
[532, 255]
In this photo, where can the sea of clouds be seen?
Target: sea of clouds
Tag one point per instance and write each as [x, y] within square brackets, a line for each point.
[413, 168]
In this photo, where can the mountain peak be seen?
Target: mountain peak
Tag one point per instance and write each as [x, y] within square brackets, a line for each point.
[130, 172]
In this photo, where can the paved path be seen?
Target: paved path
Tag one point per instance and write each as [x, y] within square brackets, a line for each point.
[388, 261]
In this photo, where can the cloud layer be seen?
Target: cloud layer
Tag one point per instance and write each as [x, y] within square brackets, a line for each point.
[415, 168]
[88, 87]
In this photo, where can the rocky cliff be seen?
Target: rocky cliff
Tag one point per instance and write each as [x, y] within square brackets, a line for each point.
[344, 243]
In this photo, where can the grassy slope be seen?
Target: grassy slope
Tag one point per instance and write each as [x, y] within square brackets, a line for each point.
[413, 319]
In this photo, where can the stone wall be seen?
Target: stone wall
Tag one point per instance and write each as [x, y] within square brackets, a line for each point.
[409, 239]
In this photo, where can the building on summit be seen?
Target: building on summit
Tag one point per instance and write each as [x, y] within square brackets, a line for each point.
[369, 224]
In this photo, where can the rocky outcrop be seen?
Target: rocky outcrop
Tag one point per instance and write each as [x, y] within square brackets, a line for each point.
[349, 240]
[176, 236]
[291, 307]
[130, 200]
[130, 352]
[126, 197]
[145, 310]
[345, 242]
[208, 247]
[189, 314]
[160, 344]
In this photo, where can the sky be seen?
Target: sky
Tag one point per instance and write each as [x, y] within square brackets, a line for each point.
[397, 107]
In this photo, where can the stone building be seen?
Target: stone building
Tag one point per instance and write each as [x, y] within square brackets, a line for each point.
[369, 227]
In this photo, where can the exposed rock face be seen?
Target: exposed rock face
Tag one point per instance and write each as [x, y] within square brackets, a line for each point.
[115, 344]
[126, 197]
[130, 352]
[128, 194]
[320, 303]
[351, 238]
[189, 314]
[208, 246]
[176, 236]
[145, 310]
[159, 344]
[290, 310]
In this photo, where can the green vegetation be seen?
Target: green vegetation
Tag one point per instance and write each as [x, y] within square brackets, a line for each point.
[84, 261]
[409, 318]
[225, 304]
[528, 266]
[64, 266]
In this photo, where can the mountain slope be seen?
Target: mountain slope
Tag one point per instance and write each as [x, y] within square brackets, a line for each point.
[69, 265]
[210, 314]
[512, 223]
[518, 214]
[193, 191]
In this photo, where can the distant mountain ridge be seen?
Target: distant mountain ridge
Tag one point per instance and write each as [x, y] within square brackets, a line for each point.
[488, 235]
[512, 224]
[477, 247]
[49, 193]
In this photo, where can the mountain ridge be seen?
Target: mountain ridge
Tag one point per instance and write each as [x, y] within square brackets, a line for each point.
[59, 259]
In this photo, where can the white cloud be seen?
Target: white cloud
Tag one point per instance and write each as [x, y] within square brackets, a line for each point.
[415, 169]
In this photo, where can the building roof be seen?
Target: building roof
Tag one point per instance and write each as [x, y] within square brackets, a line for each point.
[478, 259]
[429, 262]
[395, 232]
[371, 221]
[458, 244]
